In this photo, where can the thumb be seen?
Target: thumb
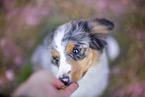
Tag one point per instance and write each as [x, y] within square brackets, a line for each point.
[70, 89]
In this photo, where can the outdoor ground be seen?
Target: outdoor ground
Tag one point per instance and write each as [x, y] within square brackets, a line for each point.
[24, 24]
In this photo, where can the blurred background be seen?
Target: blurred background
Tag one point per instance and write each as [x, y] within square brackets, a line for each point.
[24, 24]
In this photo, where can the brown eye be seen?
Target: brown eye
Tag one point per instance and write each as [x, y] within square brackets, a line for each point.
[76, 51]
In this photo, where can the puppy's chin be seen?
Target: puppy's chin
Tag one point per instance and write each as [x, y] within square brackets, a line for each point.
[76, 77]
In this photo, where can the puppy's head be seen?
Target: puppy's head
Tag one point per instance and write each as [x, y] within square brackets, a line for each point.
[77, 45]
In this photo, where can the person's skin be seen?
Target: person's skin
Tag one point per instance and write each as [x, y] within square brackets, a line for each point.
[44, 84]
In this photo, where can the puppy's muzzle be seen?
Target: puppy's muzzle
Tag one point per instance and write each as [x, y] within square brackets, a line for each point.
[65, 79]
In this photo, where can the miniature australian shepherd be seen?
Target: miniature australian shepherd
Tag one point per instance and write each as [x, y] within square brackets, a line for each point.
[75, 53]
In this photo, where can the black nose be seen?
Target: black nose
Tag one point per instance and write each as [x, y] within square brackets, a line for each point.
[65, 79]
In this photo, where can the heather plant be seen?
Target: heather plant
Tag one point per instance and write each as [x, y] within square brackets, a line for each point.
[24, 24]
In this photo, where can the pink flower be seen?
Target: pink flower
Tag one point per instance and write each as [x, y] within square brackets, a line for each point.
[18, 60]
[9, 75]
[3, 42]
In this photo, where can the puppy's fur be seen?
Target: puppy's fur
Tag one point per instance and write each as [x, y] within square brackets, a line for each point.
[75, 52]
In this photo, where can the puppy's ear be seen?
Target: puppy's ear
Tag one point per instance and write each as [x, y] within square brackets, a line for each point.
[101, 26]
[99, 30]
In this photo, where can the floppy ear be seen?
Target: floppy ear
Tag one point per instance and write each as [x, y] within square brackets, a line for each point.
[99, 30]
[101, 26]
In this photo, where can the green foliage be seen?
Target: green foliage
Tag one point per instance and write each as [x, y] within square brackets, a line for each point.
[24, 73]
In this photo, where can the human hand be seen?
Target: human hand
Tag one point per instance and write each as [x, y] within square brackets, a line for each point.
[44, 84]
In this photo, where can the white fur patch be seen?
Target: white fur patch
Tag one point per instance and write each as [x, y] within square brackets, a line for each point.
[95, 81]
[113, 48]
[64, 67]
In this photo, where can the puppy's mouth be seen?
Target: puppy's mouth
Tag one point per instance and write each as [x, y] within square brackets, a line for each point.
[65, 79]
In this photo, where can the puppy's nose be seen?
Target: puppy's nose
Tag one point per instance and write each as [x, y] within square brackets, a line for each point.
[65, 79]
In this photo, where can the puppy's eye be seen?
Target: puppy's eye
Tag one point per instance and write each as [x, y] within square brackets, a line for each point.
[55, 60]
[76, 51]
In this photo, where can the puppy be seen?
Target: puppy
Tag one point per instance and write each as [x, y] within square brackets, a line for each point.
[75, 52]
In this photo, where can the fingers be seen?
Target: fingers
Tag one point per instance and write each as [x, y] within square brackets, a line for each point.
[70, 89]
[58, 84]
[48, 77]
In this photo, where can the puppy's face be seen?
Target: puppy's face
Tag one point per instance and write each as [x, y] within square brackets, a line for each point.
[77, 45]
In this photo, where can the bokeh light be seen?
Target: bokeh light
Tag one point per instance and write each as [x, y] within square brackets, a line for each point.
[24, 24]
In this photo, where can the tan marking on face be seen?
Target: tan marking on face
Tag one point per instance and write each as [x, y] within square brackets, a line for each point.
[98, 28]
[55, 53]
[70, 47]
[80, 68]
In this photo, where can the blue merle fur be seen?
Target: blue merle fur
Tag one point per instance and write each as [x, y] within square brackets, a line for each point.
[81, 30]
